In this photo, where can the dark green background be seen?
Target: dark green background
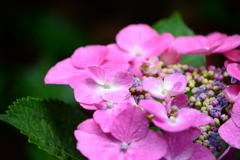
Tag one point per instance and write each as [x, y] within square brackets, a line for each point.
[37, 34]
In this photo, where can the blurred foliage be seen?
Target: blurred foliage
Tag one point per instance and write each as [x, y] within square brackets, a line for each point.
[174, 25]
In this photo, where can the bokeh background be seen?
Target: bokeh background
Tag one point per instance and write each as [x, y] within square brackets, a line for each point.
[35, 35]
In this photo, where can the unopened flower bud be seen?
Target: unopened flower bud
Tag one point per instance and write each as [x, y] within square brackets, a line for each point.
[192, 99]
[212, 68]
[139, 89]
[224, 117]
[203, 109]
[201, 138]
[209, 108]
[212, 149]
[147, 95]
[132, 90]
[219, 148]
[198, 142]
[217, 122]
[210, 93]
[214, 102]
[205, 143]
[198, 104]
[194, 90]
[202, 96]
[174, 108]
[215, 88]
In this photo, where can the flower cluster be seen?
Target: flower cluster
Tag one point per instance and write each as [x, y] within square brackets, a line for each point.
[147, 104]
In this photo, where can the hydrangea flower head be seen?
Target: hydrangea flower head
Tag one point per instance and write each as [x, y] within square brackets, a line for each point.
[73, 68]
[96, 89]
[181, 147]
[141, 42]
[172, 85]
[185, 119]
[230, 130]
[130, 138]
[212, 43]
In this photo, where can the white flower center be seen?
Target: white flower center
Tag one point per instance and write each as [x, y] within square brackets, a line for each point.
[106, 85]
[109, 104]
[124, 146]
[172, 119]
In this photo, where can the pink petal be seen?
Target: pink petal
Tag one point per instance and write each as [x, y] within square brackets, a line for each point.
[116, 54]
[179, 145]
[134, 36]
[201, 153]
[88, 91]
[175, 83]
[154, 86]
[155, 108]
[116, 94]
[112, 67]
[229, 132]
[234, 70]
[89, 56]
[233, 55]
[105, 117]
[170, 56]
[97, 74]
[61, 72]
[88, 106]
[123, 79]
[75, 80]
[94, 144]
[232, 93]
[180, 101]
[230, 43]
[135, 68]
[130, 125]
[152, 147]
[185, 119]
[236, 112]
[186, 44]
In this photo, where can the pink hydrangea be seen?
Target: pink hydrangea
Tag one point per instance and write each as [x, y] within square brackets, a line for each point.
[232, 93]
[230, 130]
[129, 138]
[232, 65]
[172, 85]
[73, 68]
[96, 88]
[140, 42]
[107, 112]
[186, 117]
[181, 147]
[212, 43]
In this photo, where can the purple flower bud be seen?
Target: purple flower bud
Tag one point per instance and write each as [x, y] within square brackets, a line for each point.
[212, 149]
[214, 102]
[215, 112]
[219, 148]
[212, 68]
[190, 68]
[147, 96]
[139, 89]
[209, 108]
[202, 68]
[203, 96]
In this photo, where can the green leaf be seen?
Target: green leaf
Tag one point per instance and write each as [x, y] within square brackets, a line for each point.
[48, 123]
[174, 25]
[195, 60]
